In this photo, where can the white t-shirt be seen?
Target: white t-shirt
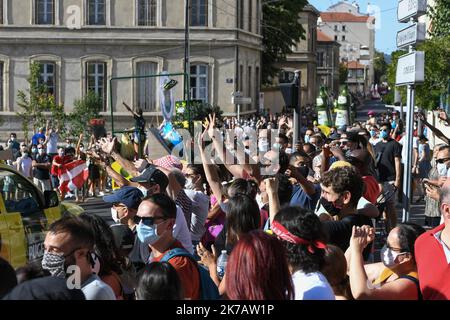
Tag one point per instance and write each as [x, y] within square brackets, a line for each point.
[52, 144]
[95, 289]
[25, 166]
[312, 286]
[405, 147]
[200, 208]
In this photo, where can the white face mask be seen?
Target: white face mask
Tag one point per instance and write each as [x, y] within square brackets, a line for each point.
[189, 184]
[259, 201]
[442, 169]
[115, 216]
[144, 191]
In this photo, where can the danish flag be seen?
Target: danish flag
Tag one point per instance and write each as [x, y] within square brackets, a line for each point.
[73, 175]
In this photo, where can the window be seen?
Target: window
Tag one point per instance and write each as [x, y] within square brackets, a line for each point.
[241, 14]
[146, 87]
[286, 76]
[1, 85]
[199, 13]
[335, 28]
[45, 11]
[250, 15]
[343, 38]
[249, 84]
[360, 73]
[241, 78]
[96, 79]
[47, 76]
[19, 194]
[199, 82]
[96, 12]
[147, 12]
[258, 16]
[343, 28]
[335, 38]
[351, 74]
[1, 11]
[320, 59]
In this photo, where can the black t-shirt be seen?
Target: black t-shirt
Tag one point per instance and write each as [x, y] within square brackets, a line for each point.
[41, 173]
[139, 124]
[387, 152]
[340, 232]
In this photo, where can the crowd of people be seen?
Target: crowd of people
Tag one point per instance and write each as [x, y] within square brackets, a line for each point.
[298, 222]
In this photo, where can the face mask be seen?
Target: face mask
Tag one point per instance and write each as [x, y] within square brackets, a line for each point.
[288, 150]
[144, 191]
[389, 256]
[81, 148]
[25, 154]
[304, 171]
[13, 139]
[442, 169]
[394, 124]
[34, 150]
[307, 138]
[263, 145]
[147, 234]
[276, 146]
[189, 184]
[373, 133]
[384, 135]
[41, 151]
[330, 207]
[54, 263]
[115, 216]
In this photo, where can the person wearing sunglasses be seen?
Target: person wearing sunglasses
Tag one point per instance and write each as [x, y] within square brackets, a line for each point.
[156, 217]
[395, 277]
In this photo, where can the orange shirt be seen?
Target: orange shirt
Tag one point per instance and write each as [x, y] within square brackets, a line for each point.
[187, 271]
[113, 281]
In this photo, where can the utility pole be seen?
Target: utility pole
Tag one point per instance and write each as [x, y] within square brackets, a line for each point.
[186, 93]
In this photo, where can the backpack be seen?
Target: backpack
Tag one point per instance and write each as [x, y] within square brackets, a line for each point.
[208, 289]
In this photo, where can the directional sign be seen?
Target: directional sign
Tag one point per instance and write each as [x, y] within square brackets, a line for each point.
[413, 34]
[241, 100]
[408, 9]
[411, 68]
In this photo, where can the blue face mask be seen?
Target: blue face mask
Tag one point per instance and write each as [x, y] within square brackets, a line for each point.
[373, 133]
[147, 234]
[307, 138]
[384, 135]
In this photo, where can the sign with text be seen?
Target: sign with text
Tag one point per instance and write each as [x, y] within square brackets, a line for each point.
[411, 68]
[408, 9]
[413, 34]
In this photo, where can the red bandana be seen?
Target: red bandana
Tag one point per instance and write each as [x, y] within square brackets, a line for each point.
[284, 234]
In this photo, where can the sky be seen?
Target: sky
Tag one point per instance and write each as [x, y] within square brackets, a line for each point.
[385, 35]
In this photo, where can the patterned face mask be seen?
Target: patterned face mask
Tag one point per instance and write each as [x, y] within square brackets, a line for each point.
[55, 263]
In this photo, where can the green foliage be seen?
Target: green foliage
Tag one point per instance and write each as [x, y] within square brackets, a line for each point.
[85, 109]
[391, 74]
[198, 112]
[35, 101]
[440, 15]
[343, 73]
[380, 67]
[281, 29]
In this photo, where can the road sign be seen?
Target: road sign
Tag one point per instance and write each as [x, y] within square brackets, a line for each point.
[411, 68]
[241, 100]
[408, 9]
[413, 34]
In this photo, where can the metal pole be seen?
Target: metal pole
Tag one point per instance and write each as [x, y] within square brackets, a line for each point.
[239, 112]
[409, 140]
[186, 95]
[297, 111]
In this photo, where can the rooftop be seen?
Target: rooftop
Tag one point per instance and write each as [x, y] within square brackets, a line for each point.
[343, 17]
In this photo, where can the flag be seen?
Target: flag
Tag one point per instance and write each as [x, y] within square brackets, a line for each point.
[73, 175]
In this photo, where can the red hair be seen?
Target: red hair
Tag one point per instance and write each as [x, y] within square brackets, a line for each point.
[258, 270]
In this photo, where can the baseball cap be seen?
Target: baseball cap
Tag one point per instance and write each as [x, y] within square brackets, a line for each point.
[168, 162]
[123, 236]
[152, 174]
[371, 113]
[334, 136]
[352, 136]
[129, 196]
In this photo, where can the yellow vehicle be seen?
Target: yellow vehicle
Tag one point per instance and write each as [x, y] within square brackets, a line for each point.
[25, 214]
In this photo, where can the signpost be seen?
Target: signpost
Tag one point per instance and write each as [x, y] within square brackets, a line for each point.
[410, 71]
[237, 99]
[413, 34]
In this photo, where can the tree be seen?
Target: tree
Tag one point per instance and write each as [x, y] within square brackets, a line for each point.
[391, 73]
[198, 112]
[85, 109]
[380, 67]
[35, 101]
[281, 29]
[343, 73]
[440, 15]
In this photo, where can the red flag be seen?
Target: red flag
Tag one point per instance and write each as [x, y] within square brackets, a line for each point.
[73, 175]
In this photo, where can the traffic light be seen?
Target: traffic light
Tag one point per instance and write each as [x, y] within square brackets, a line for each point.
[290, 94]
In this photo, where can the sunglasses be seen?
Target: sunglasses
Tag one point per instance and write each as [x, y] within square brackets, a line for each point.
[443, 160]
[148, 221]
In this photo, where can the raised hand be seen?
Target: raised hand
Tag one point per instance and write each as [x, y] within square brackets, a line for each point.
[107, 146]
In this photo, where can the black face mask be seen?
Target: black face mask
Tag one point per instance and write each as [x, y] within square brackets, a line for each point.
[304, 171]
[329, 207]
